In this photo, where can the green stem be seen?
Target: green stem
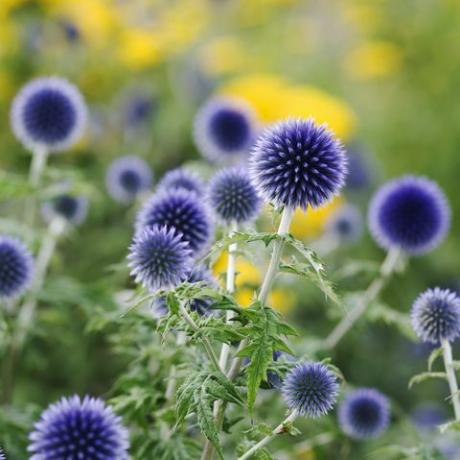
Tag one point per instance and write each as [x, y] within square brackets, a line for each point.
[451, 377]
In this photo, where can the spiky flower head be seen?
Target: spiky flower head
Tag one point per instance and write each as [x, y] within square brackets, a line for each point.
[311, 389]
[181, 210]
[364, 413]
[71, 208]
[436, 315]
[159, 258]
[2, 455]
[409, 213]
[298, 163]
[346, 224]
[16, 267]
[224, 130]
[48, 113]
[75, 428]
[233, 196]
[128, 176]
[181, 179]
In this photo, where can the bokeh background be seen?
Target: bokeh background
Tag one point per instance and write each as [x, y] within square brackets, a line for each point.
[384, 74]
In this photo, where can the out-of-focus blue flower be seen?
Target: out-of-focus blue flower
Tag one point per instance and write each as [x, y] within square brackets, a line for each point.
[181, 179]
[360, 173]
[48, 113]
[428, 416]
[71, 31]
[138, 108]
[297, 163]
[71, 208]
[75, 428]
[409, 213]
[346, 224]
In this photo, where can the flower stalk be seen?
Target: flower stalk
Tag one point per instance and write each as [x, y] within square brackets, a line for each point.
[451, 377]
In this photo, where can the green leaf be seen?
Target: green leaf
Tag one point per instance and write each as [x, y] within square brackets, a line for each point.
[434, 355]
[425, 376]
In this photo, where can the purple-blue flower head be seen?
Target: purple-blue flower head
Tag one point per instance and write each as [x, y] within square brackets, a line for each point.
[436, 315]
[298, 163]
[181, 179]
[128, 176]
[364, 413]
[224, 130]
[183, 211]
[2, 455]
[427, 416]
[71, 208]
[16, 267]
[138, 108]
[159, 258]
[233, 197]
[409, 213]
[311, 389]
[346, 224]
[75, 428]
[48, 113]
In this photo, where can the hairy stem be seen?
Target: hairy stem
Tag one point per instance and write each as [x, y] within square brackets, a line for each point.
[451, 377]
[387, 269]
[37, 166]
[172, 380]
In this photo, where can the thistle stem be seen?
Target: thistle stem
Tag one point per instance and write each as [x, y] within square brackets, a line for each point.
[451, 377]
[172, 380]
[281, 428]
[37, 166]
[387, 269]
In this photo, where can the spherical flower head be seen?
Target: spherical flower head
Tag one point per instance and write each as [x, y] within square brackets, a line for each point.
[310, 389]
[409, 213]
[224, 130]
[298, 163]
[75, 428]
[436, 315]
[182, 211]
[71, 208]
[48, 113]
[428, 416]
[233, 197]
[2, 455]
[159, 258]
[16, 267]
[181, 179]
[346, 224]
[138, 109]
[364, 413]
[128, 176]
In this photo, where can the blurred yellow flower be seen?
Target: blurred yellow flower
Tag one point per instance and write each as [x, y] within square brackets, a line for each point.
[374, 59]
[366, 17]
[282, 299]
[138, 49]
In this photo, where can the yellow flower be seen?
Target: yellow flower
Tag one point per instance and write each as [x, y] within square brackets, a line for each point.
[282, 299]
[375, 59]
[138, 49]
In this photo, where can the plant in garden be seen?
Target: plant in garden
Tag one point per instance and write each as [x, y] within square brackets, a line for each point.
[181, 179]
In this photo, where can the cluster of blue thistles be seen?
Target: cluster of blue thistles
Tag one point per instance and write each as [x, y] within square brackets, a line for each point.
[48, 113]
[181, 179]
[75, 428]
[436, 315]
[127, 177]
[16, 267]
[364, 413]
[310, 389]
[71, 208]
[298, 163]
[410, 214]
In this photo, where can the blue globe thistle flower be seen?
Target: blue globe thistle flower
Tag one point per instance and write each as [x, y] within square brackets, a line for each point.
[427, 416]
[409, 213]
[159, 258]
[436, 315]
[75, 428]
[182, 211]
[202, 306]
[181, 179]
[48, 113]
[16, 267]
[224, 130]
[233, 197]
[346, 224]
[310, 389]
[71, 31]
[71, 208]
[364, 413]
[2, 455]
[138, 108]
[128, 176]
[298, 163]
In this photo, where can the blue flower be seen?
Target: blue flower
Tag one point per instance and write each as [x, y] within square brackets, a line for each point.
[16, 267]
[310, 389]
[48, 113]
[428, 416]
[75, 428]
[233, 197]
[159, 258]
[71, 208]
[181, 179]
[297, 163]
[2, 455]
[364, 413]
[346, 224]
[181, 210]
[128, 176]
[436, 315]
[138, 108]
[224, 130]
[409, 213]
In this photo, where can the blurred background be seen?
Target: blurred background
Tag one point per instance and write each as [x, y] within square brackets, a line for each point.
[385, 76]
